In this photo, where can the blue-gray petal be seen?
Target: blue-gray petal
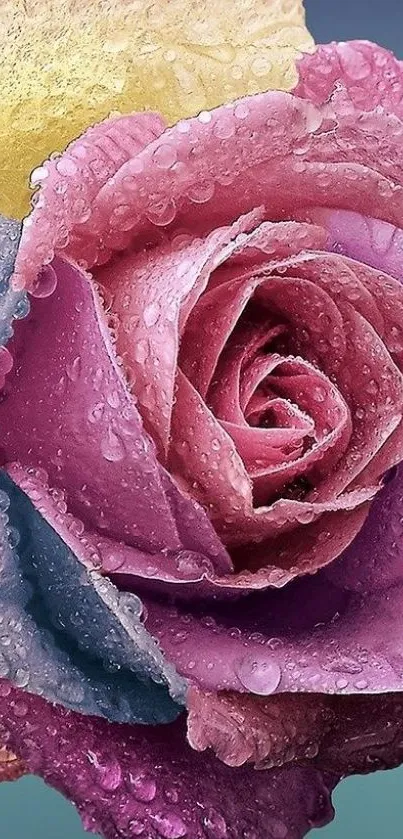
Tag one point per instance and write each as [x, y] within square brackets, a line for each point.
[13, 304]
[67, 633]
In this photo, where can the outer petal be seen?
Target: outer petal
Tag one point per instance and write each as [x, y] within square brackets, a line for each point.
[61, 72]
[249, 729]
[68, 634]
[70, 184]
[127, 781]
[311, 637]
[272, 149]
[68, 390]
[366, 73]
[344, 734]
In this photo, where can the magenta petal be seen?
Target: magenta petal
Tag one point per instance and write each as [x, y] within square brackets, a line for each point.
[131, 781]
[311, 637]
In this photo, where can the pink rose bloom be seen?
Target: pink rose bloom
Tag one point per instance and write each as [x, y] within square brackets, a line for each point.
[204, 408]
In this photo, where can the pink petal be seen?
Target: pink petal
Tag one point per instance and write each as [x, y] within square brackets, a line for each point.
[347, 734]
[62, 217]
[68, 391]
[283, 156]
[267, 731]
[209, 326]
[367, 73]
[206, 457]
[246, 339]
[150, 294]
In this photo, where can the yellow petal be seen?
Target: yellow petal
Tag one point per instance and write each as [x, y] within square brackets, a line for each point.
[68, 63]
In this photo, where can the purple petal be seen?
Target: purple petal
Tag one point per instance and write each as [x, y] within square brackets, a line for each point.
[132, 781]
[311, 637]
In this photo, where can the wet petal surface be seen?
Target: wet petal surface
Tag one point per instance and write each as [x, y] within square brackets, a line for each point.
[129, 780]
[66, 632]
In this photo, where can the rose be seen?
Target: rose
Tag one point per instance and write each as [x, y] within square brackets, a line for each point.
[264, 362]
[171, 237]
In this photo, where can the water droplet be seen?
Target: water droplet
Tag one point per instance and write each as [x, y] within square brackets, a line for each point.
[169, 826]
[21, 678]
[112, 447]
[205, 117]
[201, 192]
[13, 537]
[109, 774]
[113, 399]
[95, 413]
[137, 827]
[4, 501]
[45, 282]
[165, 156]
[277, 829]
[20, 709]
[22, 308]
[258, 674]
[151, 314]
[38, 175]
[215, 825]
[141, 351]
[4, 668]
[144, 788]
[73, 370]
[172, 795]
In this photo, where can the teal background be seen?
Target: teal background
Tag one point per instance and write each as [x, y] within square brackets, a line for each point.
[366, 807]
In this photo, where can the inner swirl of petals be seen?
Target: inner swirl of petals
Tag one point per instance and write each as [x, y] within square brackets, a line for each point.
[289, 422]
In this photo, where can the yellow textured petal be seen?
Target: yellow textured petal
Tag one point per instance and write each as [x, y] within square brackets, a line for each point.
[68, 63]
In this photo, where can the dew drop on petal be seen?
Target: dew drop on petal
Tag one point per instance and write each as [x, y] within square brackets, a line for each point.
[112, 447]
[109, 775]
[170, 826]
[45, 282]
[215, 825]
[151, 314]
[258, 674]
[136, 827]
[144, 788]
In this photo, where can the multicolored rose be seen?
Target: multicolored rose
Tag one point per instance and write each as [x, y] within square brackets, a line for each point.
[201, 434]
